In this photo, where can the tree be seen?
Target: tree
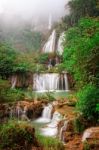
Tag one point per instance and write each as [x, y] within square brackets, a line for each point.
[81, 53]
[79, 9]
[7, 60]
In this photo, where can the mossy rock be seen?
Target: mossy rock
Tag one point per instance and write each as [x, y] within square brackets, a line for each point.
[17, 136]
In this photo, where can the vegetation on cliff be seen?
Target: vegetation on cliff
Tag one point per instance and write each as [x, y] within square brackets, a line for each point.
[81, 54]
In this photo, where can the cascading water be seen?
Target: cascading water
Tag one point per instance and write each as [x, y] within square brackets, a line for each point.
[62, 130]
[13, 81]
[50, 82]
[19, 113]
[49, 46]
[50, 22]
[52, 127]
[60, 44]
[46, 114]
[46, 82]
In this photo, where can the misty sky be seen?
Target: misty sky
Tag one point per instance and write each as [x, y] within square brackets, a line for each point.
[32, 8]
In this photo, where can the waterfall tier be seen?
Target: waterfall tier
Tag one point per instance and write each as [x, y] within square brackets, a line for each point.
[52, 128]
[49, 46]
[60, 44]
[46, 114]
[52, 45]
[50, 82]
[13, 81]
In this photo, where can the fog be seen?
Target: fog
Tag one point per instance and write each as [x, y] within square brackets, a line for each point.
[31, 10]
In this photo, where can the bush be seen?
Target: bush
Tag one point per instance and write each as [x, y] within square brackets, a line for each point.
[43, 58]
[17, 136]
[88, 97]
[78, 126]
[11, 95]
[50, 143]
[48, 96]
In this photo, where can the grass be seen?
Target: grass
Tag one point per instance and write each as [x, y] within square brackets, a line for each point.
[49, 143]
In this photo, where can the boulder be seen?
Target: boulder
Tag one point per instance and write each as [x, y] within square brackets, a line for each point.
[90, 138]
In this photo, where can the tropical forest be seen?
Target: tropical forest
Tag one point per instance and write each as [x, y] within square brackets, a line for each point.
[49, 75]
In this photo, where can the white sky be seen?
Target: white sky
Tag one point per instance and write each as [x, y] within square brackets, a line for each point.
[29, 8]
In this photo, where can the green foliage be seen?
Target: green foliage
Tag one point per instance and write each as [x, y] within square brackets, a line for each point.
[86, 146]
[78, 126]
[23, 38]
[43, 58]
[97, 107]
[81, 51]
[7, 60]
[88, 97]
[4, 84]
[50, 143]
[50, 96]
[79, 9]
[14, 135]
[9, 95]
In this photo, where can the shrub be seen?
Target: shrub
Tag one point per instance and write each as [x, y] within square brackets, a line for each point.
[17, 136]
[43, 58]
[11, 95]
[88, 97]
[50, 96]
[50, 143]
[78, 126]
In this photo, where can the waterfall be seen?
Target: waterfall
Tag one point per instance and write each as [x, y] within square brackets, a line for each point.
[66, 82]
[60, 44]
[45, 82]
[62, 130]
[19, 113]
[50, 22]
[13, 81]
[52, 128]
[49, 46]
[50, 82]
[46, 114]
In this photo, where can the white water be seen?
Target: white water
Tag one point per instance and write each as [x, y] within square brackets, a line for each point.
[49, 46]
[46, 114]
[13, 81]
[62, 130]
[50, 22]
[50, 82]
[60, 44]
[19, 113]
[52, 128]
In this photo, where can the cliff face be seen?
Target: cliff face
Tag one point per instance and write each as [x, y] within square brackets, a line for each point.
[21, 80]
[23, 110]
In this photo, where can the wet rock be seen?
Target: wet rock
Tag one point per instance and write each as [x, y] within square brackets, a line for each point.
[90, 138]
[32, 109]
